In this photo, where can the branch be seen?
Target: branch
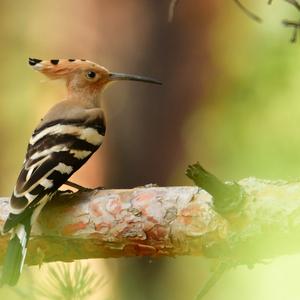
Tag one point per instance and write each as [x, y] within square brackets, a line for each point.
[115, 223]
[172, 7]
[227, 197]
[295, 26]
[294, 3]
[222, 268]
[247, 12]
[251, 15]
[166, 221]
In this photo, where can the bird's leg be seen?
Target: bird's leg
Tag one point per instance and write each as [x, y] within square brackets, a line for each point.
[81, 188]
[76, 186]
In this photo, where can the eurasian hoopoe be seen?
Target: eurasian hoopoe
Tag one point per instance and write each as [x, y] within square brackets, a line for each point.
[64, 140]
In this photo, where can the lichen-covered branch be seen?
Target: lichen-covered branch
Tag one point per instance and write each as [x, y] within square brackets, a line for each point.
[114, 223]
[166, 221]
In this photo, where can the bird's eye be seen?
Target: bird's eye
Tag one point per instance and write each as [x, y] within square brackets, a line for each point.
[91, 75]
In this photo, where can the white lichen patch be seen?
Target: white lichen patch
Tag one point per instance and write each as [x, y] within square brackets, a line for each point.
[272, 203]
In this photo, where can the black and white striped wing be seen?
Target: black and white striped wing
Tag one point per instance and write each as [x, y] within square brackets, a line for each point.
[55, 151]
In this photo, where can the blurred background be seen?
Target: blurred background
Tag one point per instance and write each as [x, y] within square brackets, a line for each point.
[230, 99]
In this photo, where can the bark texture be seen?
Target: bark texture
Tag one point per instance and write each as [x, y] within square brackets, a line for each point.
[166, 221]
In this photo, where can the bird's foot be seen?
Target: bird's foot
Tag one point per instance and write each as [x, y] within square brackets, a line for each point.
[82, 188]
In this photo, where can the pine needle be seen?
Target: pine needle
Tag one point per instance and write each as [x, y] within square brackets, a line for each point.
[66, 283]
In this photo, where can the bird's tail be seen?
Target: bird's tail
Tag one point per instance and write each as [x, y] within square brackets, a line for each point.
[16, 253]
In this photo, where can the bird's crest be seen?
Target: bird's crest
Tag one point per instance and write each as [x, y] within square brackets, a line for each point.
[56, 68]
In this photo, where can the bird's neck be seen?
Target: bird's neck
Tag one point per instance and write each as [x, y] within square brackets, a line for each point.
[89, 98]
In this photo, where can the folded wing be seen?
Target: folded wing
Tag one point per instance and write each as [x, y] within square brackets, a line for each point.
[56, 150]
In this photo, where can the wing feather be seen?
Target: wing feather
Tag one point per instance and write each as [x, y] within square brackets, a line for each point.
[50, 161]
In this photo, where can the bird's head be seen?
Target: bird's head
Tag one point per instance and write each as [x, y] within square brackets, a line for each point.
[82, 75]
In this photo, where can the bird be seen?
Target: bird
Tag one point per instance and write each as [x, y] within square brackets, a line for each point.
[66, 137]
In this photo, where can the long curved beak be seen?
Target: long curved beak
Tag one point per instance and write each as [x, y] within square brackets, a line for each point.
[122, 76]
